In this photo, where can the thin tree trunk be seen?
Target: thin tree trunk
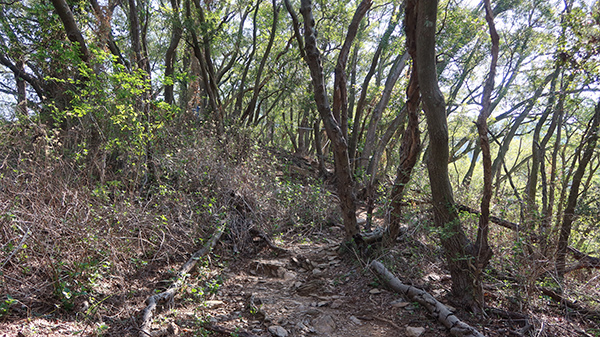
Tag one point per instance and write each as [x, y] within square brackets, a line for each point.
[411, 140]
[332, 126]
[21, 92]
[250, 113]
[371, 137]
[354, 139]
[170, 54]
[483, 250]
[569, 215]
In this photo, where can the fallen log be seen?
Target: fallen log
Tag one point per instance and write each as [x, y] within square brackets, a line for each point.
[169, 294]
[435, 307]
[584, 261]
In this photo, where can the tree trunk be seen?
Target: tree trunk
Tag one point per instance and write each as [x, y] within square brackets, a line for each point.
[251, 112]
[345, 183]
[21, 92]
[73, 33]
[170, 54]
[371, 137]
[483, 252]
[453, 238]
[411, 140]
[569, 213]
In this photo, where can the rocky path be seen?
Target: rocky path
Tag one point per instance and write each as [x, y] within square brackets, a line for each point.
[311, 291]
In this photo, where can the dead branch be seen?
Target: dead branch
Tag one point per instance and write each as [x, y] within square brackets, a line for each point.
[435, 307]
[584, 261]
[257, 233]
[169, 294]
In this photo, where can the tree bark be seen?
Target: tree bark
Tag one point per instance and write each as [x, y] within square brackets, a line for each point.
[333, 126]
[170, 54]
[371, 136]
[453, 238]
[569, 213]
[354, 139]
[251, 113]
[483, 252]
[73, 33]
[411, 140]
[435, 307]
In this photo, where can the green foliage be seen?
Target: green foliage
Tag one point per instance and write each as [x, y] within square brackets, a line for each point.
[6, 305]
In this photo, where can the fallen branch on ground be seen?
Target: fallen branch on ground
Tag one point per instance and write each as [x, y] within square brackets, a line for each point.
[169, 294]
[435, 307]
[584, 261]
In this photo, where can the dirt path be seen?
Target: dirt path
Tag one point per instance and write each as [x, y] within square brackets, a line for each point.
[312, 291]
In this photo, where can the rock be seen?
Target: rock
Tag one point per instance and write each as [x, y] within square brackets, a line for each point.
[355, 320]
[324, 324]
[322, 303]
[213, 304]
[289, 275]
[414, 332]
[336, 304]
[317, 272]
[375, 291]
[278, 331]
[399, 303]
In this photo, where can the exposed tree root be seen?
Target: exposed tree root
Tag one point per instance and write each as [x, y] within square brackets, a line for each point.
[435, 307]
[567, 303]
[169, 294]
[517, 317]
[257, 233]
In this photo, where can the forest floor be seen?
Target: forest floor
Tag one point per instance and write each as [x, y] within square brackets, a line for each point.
[309, 290]
[92, 261]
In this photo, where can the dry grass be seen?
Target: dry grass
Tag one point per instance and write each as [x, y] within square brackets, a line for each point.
[71, 243]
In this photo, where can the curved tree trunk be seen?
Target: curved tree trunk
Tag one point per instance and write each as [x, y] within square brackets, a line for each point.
[569, 214]
[411, 140]
[445, 215]
[345, 183]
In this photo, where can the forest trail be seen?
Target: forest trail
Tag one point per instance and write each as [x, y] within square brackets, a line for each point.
[312, 290]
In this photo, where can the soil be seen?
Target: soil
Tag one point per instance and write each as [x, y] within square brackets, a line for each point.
[314, 288]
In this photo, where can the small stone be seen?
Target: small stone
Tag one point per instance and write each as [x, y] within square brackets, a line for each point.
[399, 304]
[317, 271]
[414, 332]
[324, 324]
[278, 331]
[375, 291]
[322, 303]
[336, 304]
[288, 275]
[355, 320]
[211, 304]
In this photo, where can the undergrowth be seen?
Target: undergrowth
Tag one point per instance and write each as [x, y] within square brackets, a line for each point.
[78, 229]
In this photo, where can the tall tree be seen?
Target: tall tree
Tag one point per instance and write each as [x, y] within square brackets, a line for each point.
[331, 117]
[445, 216]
